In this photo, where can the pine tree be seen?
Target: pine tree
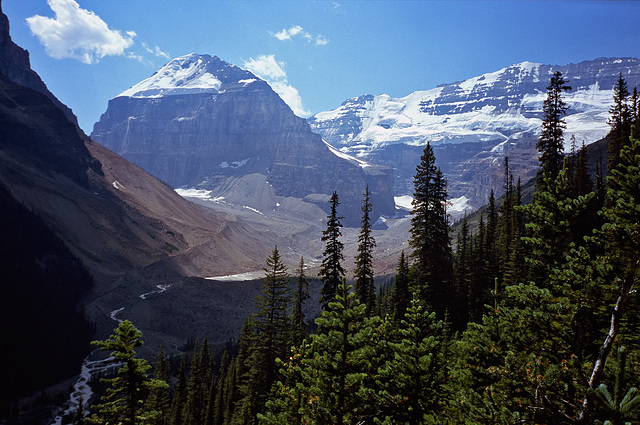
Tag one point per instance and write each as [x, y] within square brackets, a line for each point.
[491, 251]
[552, 218]
[128, 390]
[298, 324]
[431, 271]
[620, 122]
[505, 233]
[617, 263]
[401, 295]
[479, 280]
[331, 271]
[364, 282]
[413, 376]
[219, 404]
[635, 105]
[197, 385]
[462, 272]
[159, 398]
[179, 395]
[551, 142]
[270, 338]
[332, 381]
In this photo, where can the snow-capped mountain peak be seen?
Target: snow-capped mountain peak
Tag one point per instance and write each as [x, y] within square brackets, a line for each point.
[190, 74]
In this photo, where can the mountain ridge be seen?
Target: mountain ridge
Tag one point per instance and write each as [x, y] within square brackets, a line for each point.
[488, 117]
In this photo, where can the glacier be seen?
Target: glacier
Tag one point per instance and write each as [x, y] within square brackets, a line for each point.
[474, 124]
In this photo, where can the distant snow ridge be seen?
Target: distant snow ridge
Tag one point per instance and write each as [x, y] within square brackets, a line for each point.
[473, 124]
[491, 107]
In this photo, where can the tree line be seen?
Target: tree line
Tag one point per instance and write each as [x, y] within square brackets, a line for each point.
[532, 318]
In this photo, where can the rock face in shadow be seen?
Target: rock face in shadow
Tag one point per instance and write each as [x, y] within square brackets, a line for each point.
[200, 122]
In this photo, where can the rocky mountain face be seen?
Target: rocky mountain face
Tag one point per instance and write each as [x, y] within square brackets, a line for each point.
[473, 124]
[202, 123]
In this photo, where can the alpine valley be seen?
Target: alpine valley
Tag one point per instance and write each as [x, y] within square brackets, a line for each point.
[168, 212]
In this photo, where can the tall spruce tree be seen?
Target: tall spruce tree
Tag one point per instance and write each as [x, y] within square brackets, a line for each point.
[617, 263]
[272, 333]
[128, 390]
[364, 283]
[331, 271]
[401, 294]
[431, 270]
[159, 399]
[412, 378]
[620, 122]
[176, 415]
[635, 106]
[551, 142]
[301, 294]
[332, 380]
[462, 273]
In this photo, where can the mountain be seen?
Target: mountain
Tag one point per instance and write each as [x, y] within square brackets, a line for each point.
[89, 236]
[202, 123]
[473, 124]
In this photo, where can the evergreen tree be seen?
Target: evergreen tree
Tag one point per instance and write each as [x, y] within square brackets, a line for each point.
[332, 381]
[331, 271]
[179, 395]
[197, 385]
[364, 283]
[622, 405]
[463, 277]
[244, 385]
[582, 180]
[128, 390]
[620, 122]
[219, 404]
[635, 105]
[515, 267]
[551, 142]
[298, 324]
[413, 376]
[491, 251]
[431, 271]
[401, 295]
[270, 338]
[159, 398]
[506, 221]
[617, 263]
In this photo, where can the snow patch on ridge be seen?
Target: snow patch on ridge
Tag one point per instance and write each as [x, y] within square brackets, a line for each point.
[404, 202]
[238, 277]
[340, 154]
[194, 193]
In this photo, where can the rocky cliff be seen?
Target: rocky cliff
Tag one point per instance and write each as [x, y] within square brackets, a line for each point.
[200, 122]
[474, 124]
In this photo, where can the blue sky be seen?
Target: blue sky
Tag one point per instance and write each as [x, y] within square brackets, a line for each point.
[317, 53]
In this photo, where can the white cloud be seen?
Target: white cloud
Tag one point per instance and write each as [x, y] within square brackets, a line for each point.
[266, 67]
[157, 51]
[272, 71]
[321, 41]
[286, 34]
[78, 33]
[297, 30]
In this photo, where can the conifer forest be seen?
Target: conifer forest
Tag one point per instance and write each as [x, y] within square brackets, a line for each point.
[524, 314]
